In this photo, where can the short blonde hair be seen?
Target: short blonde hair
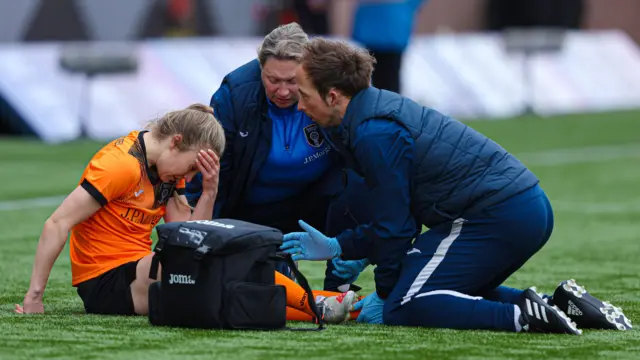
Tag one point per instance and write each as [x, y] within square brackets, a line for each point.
[197, 125]
[283, 43]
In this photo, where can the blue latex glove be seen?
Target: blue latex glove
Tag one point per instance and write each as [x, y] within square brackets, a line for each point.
[349, 270]
[371, 309]
[310, 245]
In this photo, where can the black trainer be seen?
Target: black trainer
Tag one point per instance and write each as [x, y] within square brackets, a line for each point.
[587, 311]
[537, 315]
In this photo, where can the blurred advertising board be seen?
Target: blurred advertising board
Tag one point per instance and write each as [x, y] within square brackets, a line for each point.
[463, 75]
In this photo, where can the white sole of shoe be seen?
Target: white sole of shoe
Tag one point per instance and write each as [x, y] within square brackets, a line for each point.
[613, 314]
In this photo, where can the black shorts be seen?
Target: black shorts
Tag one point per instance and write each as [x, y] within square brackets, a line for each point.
[110, 293]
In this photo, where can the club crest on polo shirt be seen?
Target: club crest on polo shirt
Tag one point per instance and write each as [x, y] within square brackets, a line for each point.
[313, 136]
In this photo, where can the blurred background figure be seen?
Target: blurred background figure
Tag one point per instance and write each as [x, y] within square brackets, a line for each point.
[312, 15]
[384, 27]
[180, 18]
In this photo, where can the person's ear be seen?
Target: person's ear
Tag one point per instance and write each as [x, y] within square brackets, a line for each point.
[176, 141]
[334, 99]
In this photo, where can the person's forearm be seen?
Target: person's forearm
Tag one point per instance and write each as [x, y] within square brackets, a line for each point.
[54, 235]
[204, 207]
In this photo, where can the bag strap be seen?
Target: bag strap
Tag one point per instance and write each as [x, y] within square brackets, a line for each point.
[155, 260]
[153, 269]
[302, 281]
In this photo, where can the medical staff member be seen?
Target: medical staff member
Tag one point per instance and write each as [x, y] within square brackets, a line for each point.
[486, 212]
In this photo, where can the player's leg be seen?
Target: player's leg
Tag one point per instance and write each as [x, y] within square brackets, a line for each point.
[454, 261]
[294, 314]
[334, 306]
[140, 286]
[110, 293]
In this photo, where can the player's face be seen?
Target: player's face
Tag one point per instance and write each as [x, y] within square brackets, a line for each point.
[173, 165]
[310, 101]
[278, 77]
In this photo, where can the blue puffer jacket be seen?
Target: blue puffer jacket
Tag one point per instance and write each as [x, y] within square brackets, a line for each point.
[425, 169]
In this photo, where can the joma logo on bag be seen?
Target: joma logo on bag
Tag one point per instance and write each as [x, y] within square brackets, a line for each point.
[181, 279]
[213, 223]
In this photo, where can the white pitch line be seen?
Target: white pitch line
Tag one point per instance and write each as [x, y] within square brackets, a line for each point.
[580, 155]
[24, 204]
[589, 154]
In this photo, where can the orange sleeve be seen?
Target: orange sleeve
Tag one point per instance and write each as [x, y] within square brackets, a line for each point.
[109, 177]
[180, 186]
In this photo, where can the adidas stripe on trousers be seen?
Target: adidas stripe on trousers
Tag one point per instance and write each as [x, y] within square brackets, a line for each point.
[452, 277]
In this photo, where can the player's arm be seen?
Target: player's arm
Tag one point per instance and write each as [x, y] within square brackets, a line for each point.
[178, 208]
[384, 151]
[104, 180]
[78, 206]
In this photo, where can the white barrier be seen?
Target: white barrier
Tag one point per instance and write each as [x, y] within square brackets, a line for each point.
[473, 76]
[466, 76]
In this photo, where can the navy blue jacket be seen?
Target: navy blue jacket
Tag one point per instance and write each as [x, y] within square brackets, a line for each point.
[426, 169]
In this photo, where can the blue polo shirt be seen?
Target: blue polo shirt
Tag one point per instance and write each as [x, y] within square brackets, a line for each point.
[298, 157]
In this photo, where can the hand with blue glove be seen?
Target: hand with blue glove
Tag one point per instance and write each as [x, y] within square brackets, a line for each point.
[349, 270]
[310, 245]
[370, 309]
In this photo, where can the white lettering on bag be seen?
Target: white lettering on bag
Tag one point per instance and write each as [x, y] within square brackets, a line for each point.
[181, 279]
[212, 223]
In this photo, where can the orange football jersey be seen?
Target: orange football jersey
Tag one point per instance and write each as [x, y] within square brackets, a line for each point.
[133, 201]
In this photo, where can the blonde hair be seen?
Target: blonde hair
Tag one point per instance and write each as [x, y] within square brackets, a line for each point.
[197, 125]
[283, 43]
[199, 129]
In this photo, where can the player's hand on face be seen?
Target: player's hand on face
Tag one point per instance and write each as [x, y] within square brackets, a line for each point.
[31, 305]
[208, 165]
